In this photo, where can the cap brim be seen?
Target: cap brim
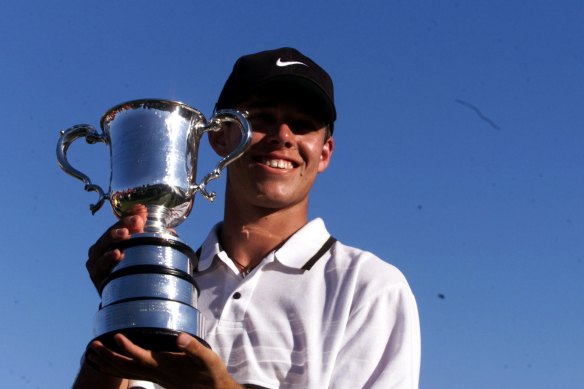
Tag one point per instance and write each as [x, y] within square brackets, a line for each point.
[311, 93]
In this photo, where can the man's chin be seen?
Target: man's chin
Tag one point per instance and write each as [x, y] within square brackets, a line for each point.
[279, 202]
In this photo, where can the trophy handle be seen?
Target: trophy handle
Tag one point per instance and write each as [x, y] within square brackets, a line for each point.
[67, 137]
[219, 117]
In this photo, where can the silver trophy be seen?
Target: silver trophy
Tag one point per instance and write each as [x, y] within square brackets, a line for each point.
[151, 295]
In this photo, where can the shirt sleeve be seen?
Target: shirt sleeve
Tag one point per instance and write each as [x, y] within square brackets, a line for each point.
[381, 347]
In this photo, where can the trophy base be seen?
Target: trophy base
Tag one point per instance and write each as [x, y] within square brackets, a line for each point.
[155, 339]
[151, 296]
[140, 319]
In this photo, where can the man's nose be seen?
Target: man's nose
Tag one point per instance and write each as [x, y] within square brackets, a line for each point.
[282, 135]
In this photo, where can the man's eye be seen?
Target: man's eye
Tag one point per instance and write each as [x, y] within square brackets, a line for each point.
[263, 117]
[303, 126]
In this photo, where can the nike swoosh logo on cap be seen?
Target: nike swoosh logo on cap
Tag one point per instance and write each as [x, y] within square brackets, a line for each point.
[281, 63]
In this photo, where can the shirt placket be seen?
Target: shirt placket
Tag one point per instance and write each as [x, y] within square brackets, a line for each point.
[236, 305]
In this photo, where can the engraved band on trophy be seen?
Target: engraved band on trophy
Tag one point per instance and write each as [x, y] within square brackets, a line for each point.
[151, 295]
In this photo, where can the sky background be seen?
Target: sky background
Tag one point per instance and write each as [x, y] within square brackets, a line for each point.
[459, 154]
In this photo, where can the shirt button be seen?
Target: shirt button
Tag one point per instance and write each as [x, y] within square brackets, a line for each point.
[236, 295]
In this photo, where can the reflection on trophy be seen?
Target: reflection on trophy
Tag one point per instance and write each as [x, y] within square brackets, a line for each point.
[151, 295]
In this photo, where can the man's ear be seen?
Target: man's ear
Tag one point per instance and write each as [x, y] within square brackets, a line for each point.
[219, 141]
[326, 154]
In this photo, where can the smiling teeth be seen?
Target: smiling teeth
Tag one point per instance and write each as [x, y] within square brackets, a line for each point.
[278, 163]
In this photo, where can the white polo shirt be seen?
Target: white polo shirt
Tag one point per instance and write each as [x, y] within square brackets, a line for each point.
[313, 314]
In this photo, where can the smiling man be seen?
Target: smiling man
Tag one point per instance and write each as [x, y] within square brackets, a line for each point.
[286, 304]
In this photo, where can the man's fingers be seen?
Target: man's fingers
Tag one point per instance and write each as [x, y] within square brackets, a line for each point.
[122, 230]
[194, 364]
[100, 358]
[212, 369]
[193, 348]
[137, 364]
[101, 257]
[135, 352]
[135, 223]
[103, 243]
[99, 268]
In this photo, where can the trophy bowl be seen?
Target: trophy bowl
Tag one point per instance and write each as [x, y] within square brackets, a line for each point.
[151, 296]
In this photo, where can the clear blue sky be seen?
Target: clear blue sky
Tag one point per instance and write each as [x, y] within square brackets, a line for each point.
[459, 159]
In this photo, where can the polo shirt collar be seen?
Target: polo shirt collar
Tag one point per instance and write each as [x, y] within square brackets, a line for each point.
[210, 249]
[304, 244]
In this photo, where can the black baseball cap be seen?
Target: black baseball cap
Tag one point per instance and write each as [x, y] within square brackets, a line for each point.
[285, 69]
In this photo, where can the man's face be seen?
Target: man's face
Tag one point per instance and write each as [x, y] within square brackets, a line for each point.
[288, 149]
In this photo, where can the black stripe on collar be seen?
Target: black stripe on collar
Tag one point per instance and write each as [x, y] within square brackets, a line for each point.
[325, 247]
[308, 265]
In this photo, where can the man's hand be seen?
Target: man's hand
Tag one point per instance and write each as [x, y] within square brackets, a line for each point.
[101, 257]
[195, 367]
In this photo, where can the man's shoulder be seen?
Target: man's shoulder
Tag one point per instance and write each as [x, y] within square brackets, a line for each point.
[364, 262]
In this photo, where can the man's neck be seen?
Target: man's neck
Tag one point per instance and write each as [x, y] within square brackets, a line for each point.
[249, 235]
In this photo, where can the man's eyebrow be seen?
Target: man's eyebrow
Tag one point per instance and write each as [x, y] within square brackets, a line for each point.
[261, 104]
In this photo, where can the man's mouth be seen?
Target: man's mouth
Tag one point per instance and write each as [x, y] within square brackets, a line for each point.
[277, 163]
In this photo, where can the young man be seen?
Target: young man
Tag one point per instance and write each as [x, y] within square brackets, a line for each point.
[286, 305]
